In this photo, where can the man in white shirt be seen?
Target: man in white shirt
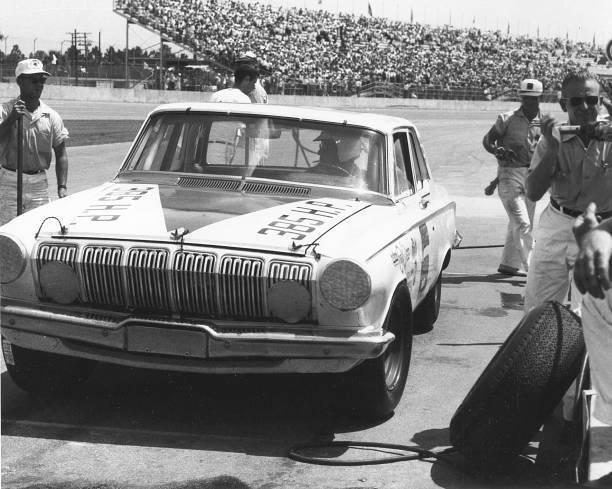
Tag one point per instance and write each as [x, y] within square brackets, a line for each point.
[245, 77]
[258, 95]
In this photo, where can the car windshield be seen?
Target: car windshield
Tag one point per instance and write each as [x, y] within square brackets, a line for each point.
[304, 152]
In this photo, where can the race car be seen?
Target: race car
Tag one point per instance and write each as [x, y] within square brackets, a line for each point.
[236, 238]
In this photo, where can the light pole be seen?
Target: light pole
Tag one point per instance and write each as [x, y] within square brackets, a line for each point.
[34, 54]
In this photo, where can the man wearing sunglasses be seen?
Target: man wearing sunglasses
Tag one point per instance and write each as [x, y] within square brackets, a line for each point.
[43, 134]
[512, 140]
[576, 168]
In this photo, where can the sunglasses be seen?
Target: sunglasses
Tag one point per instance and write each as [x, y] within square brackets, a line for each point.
[590, 100]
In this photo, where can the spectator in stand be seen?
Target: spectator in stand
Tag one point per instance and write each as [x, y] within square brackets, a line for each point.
[574, 167]
[512, 140]
[43, 130]
[311, 43]
[245, 77]
[258, 95]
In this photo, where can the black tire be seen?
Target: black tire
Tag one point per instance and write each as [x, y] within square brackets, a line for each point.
[519, 389]
[428, 311]
[374, 388]
[43, 373]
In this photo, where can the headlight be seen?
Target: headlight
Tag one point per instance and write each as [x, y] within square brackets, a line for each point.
[12, 259]
[289, 301]
[345, 285]
[59, 282]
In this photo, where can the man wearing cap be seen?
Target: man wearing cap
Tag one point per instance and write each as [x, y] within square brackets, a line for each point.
[258, 95]
[577, 170]
[512, 139]
[43, 131]
[244, 80]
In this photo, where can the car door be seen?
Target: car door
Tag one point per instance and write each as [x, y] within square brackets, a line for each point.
[412, 249]
[429, 233]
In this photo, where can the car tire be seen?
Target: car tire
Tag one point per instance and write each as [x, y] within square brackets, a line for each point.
[374, 388]
[428, 311]
[519, 389]
[44, 373]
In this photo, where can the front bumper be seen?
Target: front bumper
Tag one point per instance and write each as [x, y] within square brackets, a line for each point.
[206, 346]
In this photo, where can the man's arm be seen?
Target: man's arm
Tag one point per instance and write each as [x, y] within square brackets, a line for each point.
[489, 142]
[17, 111]
[540, 176]
[61, 169]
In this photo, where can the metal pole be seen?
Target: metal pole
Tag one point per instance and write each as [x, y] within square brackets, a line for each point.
[19, 165]
[161, 63]
[127, 37]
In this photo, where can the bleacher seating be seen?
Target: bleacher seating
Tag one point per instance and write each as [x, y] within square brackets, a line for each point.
[336, 53]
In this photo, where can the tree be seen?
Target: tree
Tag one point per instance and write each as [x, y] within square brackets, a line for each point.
[15, 56]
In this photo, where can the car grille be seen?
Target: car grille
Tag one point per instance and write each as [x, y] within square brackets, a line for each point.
[192, 283]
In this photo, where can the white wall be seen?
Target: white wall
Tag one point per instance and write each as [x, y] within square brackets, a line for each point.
[57, 92]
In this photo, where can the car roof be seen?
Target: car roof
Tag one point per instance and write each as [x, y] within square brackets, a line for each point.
[378, 122]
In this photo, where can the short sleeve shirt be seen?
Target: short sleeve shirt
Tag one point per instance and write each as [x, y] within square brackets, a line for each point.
[43, 130]
[582, 174]
[520, 135]
[230, 95]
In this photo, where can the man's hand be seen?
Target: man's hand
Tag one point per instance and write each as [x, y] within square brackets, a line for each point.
[547, 124]
[19, 109]
[592, 269]
[62, 192]
[504, 155]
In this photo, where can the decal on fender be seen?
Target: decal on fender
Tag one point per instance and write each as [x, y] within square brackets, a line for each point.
[304, 219]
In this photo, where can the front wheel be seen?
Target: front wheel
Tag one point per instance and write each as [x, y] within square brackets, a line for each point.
[44, 373]
[374, 388]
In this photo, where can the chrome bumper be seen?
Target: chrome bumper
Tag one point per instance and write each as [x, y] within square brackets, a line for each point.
[207, 347]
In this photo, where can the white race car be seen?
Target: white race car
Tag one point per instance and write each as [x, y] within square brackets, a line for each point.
[236, 239]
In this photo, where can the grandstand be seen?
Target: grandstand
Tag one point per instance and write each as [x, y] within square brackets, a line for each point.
[316, 52]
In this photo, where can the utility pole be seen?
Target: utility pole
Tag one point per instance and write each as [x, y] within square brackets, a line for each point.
[78, 39]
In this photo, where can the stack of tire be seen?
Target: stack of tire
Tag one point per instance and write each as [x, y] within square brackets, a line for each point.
[519, 389]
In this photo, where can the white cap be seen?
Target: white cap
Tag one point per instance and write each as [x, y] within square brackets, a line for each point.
[248, 55]
[531, 88]
[30, 66]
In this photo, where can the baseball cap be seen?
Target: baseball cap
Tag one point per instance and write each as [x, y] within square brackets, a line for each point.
[531, 88]
[248, 56]
[30, 66]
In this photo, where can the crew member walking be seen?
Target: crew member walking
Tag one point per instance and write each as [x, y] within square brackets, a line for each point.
[512, 140]
[43, 132]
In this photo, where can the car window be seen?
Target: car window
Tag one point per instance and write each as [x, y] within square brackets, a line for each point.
[420, 165]
[221, 144]
[402, 174]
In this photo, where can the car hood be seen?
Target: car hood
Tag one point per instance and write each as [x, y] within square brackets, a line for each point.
[164, 213]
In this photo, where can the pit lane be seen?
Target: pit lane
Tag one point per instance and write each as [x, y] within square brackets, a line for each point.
[134, 428]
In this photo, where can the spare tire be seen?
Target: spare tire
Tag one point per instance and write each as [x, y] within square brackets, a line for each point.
[519, 389]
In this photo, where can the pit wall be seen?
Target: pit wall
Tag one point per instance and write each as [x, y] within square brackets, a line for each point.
[139, 94]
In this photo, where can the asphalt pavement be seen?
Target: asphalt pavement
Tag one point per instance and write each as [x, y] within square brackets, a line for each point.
[137, 429]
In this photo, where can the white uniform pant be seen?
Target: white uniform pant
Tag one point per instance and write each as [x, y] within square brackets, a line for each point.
[35, 192]
[552, 261]
[519, 237]
[597, 326]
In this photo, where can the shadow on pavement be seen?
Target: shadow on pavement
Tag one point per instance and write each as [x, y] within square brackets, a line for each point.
[262, 415]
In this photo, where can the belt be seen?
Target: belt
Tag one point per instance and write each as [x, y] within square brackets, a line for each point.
[575, 213]
[27, 172]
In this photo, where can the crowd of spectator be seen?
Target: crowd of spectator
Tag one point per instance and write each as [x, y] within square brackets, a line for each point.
[323, 49]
